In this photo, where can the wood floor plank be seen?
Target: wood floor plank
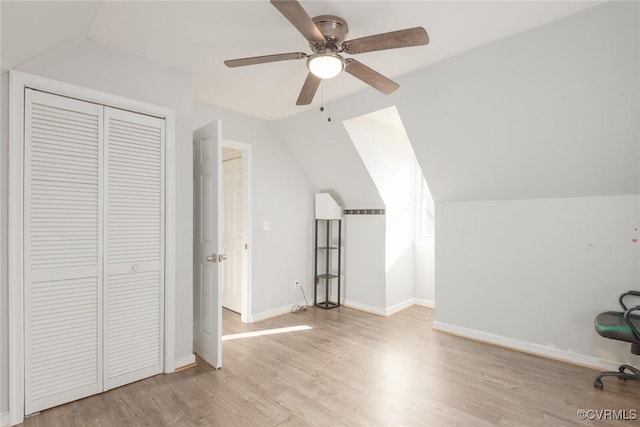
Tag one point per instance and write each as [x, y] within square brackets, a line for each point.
[356, 369]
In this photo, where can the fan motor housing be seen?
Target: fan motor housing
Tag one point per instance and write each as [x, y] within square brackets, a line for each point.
[334, 28]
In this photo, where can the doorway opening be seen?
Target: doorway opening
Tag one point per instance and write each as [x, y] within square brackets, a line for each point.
[234, 229]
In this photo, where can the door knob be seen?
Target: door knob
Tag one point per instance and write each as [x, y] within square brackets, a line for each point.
[221, 257]
[212, 258]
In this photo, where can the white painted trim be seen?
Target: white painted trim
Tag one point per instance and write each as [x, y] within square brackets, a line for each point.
[184, 361]
[388, 311]
[527, 347]
[248, 308]
[18, 81]
[268, 314]
[399, 306]
[170, 243]
[14, 255]
[4, 419]
[219, 224]
[247, 289]
[379, 311]
[425, 303]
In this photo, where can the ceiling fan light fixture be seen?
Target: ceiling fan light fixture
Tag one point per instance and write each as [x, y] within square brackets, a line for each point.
[325, 65]
[327, 37]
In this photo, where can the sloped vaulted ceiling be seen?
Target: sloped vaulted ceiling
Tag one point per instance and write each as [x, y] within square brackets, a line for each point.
[548, 112]
[551, 112]
[197, 36]
[32, 29]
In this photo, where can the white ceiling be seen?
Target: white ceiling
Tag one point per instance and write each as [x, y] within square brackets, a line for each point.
[196, 37]
[33, 29]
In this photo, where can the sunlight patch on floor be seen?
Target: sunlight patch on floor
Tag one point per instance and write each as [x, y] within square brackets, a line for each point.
[266, 332]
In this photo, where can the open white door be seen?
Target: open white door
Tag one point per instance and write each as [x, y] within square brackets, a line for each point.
[207, 192]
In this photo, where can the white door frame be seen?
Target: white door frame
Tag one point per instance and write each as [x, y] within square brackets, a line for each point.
[18, 81]
[245, 304]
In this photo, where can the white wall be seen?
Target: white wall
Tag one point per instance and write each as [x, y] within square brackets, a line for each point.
[424, 273]
[327, 155]
[282, 194]
[538, 271]
[380, 266]
[551, 112]
[388, 157]
[555, 123]
[364, 262]
[94, 66]
[549, 115]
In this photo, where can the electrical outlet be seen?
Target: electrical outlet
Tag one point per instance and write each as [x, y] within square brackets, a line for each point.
[296, 284]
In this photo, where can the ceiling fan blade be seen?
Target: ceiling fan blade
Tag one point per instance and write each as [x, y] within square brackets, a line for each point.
[293, 11]
[264, 59]
[370, 76]
[308, 90]
[416, 36]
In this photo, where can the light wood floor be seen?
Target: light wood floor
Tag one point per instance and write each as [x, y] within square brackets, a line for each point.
[356, 369]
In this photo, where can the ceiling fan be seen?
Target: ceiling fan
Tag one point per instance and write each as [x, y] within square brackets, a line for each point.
[326, 35]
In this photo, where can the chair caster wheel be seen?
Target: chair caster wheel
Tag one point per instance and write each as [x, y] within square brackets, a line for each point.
[597, 384]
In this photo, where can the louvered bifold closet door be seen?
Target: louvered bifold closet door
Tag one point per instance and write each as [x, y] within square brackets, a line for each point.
[134, 251]
[62, 250]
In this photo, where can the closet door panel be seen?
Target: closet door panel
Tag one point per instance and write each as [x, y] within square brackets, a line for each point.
[62, 250]
[134, 252]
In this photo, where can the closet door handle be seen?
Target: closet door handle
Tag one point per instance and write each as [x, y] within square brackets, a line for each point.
[212, 258]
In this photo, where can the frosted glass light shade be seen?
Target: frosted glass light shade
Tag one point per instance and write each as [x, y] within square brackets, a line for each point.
[325, 66]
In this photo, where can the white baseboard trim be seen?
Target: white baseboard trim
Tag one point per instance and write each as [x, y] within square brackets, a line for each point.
[527, 347]
[389, 311]
[4, 419]
[185, 361]
[425, 303]
[399, 307]
[364, 307]
[268, 314]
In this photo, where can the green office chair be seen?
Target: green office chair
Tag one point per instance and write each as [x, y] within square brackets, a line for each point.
[622, 326]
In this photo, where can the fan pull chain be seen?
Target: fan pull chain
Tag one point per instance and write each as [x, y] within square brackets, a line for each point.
[322, 100]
